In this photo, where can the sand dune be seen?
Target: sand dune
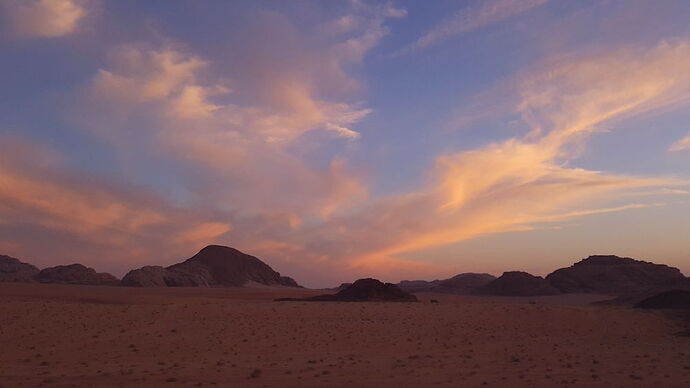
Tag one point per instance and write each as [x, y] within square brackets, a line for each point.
[76, 336]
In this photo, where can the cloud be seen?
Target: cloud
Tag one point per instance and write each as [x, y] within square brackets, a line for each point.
[45, 18]
[524, 182]
[245, 124]
[125, 225]
[681, 145]
[472, 18]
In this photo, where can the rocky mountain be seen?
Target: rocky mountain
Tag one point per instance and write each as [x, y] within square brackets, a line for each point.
[213, 266]
[612, 275]
[465, 283]
[76, 274]
[517, 283]
[363, 290]
[13, 270]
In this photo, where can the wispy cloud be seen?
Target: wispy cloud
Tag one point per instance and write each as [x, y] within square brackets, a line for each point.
[45, 18]
[520, 182]
[471, 18]
[681, 145]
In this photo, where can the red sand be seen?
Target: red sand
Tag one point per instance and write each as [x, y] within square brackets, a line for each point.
[78, 336]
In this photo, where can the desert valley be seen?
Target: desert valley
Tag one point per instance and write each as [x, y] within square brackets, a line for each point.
[344, 193]
[223, 318]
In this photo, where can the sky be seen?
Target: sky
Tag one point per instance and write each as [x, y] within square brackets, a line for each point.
[344, 139]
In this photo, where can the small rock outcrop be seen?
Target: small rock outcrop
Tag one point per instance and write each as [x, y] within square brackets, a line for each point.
[612, 275]
[672, 299]
[363, 290]
[517, 283]
[76, 274]
[13, 270]
[213, 266]
[342, 286]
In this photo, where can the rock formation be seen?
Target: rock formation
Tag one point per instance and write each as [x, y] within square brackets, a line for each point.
[76, 274]
[418, 285]
[13, 270]
[363, 290]
[672, 299]
[517, 283]
[213, 266]
[463, 284]
[342, 286]
[612, 275]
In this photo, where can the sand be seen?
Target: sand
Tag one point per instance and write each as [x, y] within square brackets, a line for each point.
[89, 336]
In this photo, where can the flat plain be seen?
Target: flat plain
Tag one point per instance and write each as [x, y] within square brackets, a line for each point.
[78, 336]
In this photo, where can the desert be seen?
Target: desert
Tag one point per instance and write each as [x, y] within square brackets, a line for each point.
[373, 335]
[345, 193]
[76, 336]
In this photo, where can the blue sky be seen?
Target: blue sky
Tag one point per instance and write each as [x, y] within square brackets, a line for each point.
[342, 139]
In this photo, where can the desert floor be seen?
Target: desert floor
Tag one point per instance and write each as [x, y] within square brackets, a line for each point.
[80, 336]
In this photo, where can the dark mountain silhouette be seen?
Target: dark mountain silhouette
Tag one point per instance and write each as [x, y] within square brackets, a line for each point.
[76, 274]
[517, 283]
[612, 275]
[13, 270]
[363, 290]
[213, 266]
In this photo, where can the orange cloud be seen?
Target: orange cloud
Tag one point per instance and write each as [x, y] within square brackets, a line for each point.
[681, 145]
[46, 18]
[38, 196]
[520, 183]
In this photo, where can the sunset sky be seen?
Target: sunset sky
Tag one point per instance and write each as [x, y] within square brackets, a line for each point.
[342, 139]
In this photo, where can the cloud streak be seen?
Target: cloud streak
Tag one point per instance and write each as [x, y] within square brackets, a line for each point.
[681, 145]
[113, 224]
[471, 18]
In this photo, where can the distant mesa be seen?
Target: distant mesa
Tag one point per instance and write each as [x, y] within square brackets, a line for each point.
[462, 284]
[363, 290]
[517, 283]
[214, 265]
[342, 286]
[612, 275]
[418, 285]
[13, 270]
[672, 299]
[76, 274]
